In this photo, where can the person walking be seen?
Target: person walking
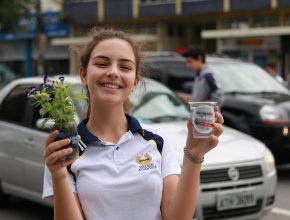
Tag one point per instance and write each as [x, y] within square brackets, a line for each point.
[272, 70]
[128, 170]
[204, 86]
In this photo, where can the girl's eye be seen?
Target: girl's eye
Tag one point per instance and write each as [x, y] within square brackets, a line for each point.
[126, 68]
[101, 64]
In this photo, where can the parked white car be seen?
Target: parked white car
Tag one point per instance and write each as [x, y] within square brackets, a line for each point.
[238, 178]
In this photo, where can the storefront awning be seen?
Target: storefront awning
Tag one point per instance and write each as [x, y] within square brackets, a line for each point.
[80, 40]
[250, 32]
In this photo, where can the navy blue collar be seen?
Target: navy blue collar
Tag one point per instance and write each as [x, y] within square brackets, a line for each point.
[88, 137]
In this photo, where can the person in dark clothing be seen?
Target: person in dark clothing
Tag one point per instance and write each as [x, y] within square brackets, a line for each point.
[204, 86]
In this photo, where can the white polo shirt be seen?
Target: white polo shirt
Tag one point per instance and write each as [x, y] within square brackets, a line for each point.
[121, 181]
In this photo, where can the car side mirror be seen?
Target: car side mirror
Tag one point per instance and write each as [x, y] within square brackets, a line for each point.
[42, 125]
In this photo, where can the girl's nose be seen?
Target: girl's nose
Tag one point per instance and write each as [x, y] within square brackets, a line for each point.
[113, 72]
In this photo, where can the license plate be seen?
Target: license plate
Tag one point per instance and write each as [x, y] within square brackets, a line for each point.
[227, 201]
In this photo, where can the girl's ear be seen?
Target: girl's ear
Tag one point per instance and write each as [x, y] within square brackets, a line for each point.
[137, 80]
[83, 75]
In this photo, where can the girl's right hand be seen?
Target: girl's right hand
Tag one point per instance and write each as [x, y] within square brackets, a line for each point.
[52, 154]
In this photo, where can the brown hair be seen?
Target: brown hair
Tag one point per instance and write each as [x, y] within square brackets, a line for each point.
[99, 35]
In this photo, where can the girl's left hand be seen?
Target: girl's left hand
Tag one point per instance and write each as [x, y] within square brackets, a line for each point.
[199, 147]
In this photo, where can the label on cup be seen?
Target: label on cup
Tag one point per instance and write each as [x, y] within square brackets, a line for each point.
[203, 118]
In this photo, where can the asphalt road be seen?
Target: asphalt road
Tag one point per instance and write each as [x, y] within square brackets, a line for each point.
[20, 209]
[281, 210]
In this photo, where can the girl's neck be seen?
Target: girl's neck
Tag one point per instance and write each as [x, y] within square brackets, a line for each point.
[108, 124]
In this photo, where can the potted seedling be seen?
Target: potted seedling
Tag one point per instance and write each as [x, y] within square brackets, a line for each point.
[56, 103]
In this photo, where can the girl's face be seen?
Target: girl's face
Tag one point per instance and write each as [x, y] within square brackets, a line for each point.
[111, 72]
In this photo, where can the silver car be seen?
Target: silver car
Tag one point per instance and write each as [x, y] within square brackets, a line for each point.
[238, 178]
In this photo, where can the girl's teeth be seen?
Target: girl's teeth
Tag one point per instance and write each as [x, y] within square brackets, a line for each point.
[112, 86]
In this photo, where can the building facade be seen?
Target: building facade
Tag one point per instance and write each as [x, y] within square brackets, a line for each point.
[22, 49]
[253, 30]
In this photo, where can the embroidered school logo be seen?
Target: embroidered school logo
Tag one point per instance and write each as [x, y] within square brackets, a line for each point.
[145, 161]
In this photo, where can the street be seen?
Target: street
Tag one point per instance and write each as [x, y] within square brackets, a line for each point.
[24, 210]
[281, 210]
[20, 209]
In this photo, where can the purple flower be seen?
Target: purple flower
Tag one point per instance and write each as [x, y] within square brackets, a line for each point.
[49, 99]
[45, 80]
[31, 92]
[61, 78]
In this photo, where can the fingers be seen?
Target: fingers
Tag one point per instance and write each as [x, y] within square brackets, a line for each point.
[51, 137]
[55, 156]
[205, 145]
[218, 129]
[54, 146]
[65, 163]
[213, 141]
[189, 126]
[219, 117]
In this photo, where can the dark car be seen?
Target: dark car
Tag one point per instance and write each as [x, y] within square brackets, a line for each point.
[251, 100]
[168, 68]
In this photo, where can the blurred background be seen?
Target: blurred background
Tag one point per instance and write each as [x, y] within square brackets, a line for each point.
[35, 36]
[36, 39]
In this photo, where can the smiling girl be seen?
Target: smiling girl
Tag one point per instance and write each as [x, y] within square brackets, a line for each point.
[128, 169]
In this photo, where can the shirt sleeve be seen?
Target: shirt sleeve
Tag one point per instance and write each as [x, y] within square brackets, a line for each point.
[47, 193]
[169, 164]
[211, 82]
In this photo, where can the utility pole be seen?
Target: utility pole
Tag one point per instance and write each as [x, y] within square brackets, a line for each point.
[41, 39]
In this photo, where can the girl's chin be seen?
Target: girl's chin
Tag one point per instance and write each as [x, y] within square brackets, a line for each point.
[109, 99]
[112, 101]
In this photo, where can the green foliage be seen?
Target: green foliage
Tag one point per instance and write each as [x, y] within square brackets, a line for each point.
[55, 101]
[12, 10]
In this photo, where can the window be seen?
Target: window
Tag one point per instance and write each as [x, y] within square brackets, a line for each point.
[287, 20]
[13, 106]
[79, 1]
[265, 21]
[147, 28]
[234, 22]
[149, 2]
[175, 30]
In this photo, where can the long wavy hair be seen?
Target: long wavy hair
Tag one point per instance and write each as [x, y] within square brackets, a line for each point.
[98, 35]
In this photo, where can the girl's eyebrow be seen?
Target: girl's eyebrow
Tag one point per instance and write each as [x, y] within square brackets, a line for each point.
[107, 58]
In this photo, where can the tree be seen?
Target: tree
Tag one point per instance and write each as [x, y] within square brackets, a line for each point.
[12, 10]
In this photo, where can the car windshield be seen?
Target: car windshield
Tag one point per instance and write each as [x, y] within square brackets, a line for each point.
[245, 78]
[156, 103]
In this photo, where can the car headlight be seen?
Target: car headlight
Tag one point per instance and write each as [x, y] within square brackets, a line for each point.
[270, 161]
[273, 115]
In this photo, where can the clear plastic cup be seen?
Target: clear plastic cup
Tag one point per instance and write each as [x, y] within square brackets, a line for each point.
[203, 118]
